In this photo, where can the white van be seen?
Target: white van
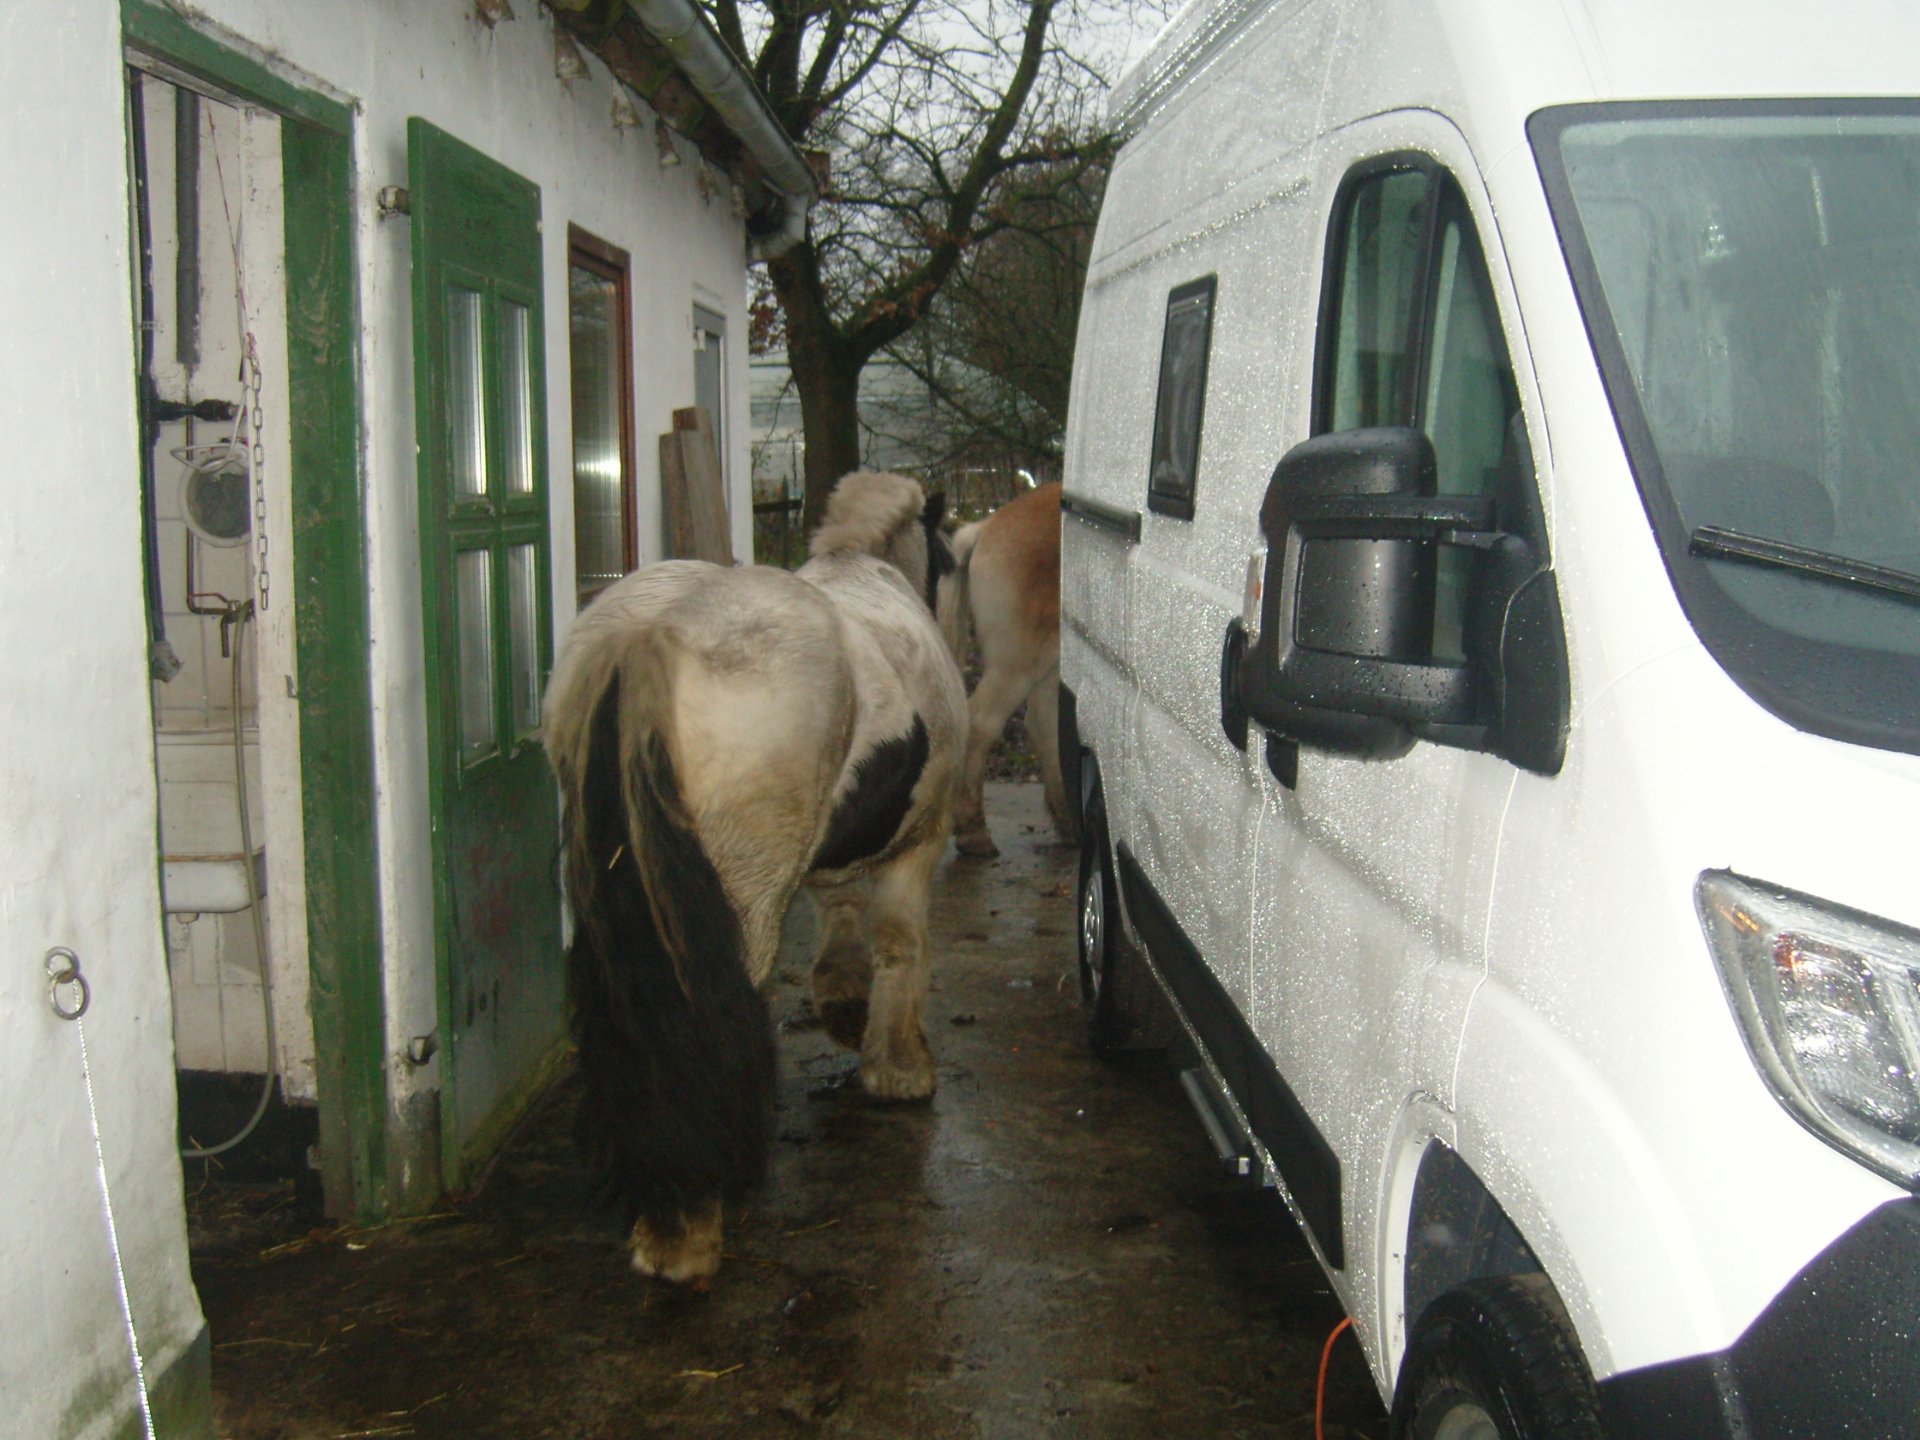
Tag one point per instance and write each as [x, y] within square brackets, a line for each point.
[1489, 633]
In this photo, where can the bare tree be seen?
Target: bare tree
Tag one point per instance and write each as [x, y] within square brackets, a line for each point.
[995, 352]
[931, 115]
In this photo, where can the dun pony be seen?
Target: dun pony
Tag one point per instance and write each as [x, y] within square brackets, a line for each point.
[722, 736]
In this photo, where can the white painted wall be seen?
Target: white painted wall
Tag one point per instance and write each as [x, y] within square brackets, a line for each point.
[496, 90]
[76, 770]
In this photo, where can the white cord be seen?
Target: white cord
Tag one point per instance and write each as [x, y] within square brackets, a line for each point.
[113, 1237]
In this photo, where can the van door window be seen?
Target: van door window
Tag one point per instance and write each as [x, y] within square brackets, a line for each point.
[1384, 230]
[1415, 339]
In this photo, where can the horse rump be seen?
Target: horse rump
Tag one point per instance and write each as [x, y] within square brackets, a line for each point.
[674, 1041]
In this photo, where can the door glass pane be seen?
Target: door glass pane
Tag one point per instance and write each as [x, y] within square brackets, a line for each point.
[523, 638]
[599, 466]
[1470, 391]
[516, 387]
[466, 385]
[1470, 399]
[473, 605]
[1386, 223]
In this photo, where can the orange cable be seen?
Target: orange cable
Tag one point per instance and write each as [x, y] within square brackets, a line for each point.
[1320, 1388]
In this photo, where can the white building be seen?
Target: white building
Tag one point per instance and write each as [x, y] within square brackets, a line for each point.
[437, 276]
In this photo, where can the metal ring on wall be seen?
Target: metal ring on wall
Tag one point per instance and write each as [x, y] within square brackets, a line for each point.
[63, 968]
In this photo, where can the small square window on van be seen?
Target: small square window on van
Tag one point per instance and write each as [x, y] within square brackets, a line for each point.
[1181, 398]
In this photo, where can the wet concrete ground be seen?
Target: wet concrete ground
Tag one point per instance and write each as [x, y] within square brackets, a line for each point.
[1047, 1249]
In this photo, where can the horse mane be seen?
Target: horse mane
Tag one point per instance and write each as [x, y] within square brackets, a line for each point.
[865, 513]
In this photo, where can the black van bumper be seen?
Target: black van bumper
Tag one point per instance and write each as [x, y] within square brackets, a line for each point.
[1837, 1353]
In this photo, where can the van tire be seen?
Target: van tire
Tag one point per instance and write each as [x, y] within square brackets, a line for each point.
[1497, 1352]
[1097, 912]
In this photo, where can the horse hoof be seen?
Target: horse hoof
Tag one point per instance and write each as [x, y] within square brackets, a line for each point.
[689, 1257]
[895, 1081]
[845, 1021]
[978, 845]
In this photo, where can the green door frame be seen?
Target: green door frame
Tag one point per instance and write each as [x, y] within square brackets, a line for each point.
[330, 598]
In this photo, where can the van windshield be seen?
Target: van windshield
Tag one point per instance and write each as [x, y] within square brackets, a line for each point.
[1750, 276]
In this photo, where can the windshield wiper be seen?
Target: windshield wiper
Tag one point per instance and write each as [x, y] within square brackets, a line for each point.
[1713, 542]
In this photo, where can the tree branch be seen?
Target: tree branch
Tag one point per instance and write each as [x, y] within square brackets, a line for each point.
[892, 312]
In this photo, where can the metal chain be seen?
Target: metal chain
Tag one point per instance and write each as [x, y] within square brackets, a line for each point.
[252, 413]
[256, 468]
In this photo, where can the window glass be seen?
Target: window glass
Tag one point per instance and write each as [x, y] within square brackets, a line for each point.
[1417, 341]
[1469, 392]
[516, 387]
[604, 545]
[1181, 402]
[466, 388]
[473, 603]
[710, 382]
[523, 638]
[1762, 277]
[1384, 236]
[1468, 402]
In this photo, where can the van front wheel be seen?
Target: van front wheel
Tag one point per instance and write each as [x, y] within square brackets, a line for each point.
[1496, 1359]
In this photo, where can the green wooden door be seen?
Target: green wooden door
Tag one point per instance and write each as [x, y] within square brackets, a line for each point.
[481, 425]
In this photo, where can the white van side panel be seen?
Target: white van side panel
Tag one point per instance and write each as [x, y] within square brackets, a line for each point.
[1208, 150]
[1180, 799]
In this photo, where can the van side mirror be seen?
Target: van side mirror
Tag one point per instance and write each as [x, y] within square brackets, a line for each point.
[1344, 656]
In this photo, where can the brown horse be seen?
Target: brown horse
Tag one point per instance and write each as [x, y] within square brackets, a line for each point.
[722, 736]
[1005, 586]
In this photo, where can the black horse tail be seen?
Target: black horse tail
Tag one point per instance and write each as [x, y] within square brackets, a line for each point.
[674, 1042]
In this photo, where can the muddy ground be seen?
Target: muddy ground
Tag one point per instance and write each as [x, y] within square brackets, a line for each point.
[1048, 1248]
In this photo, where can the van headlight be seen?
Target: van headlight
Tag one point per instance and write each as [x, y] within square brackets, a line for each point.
[1829, 1002]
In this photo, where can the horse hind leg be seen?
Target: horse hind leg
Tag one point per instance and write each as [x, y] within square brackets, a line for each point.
[988, 709]
[895, 1061]
[843, 965]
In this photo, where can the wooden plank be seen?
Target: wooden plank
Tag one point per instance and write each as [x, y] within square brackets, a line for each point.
[692, 489]
[673, 498]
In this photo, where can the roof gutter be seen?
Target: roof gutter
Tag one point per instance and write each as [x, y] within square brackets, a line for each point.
[714, 71]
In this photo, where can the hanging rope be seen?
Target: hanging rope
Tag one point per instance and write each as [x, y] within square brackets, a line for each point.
[63, 971]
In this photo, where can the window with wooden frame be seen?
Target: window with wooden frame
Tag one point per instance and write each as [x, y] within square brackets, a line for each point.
[605, 543]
